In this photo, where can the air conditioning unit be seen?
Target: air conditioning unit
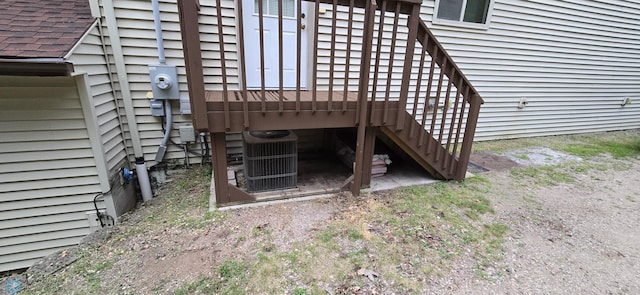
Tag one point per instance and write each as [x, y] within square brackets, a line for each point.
[270, 160]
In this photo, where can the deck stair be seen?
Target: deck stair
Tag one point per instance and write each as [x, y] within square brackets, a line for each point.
[431, 116]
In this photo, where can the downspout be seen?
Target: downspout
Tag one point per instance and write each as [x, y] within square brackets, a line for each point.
[162, 149]
[118, 57]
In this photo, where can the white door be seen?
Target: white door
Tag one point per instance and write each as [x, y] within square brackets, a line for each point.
[272, 44]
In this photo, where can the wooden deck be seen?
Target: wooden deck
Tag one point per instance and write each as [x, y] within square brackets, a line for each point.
[438, 138]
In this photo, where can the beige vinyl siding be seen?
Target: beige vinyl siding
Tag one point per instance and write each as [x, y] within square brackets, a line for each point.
[47, 171]
[137, 34]
[88, 57]
[573, 61]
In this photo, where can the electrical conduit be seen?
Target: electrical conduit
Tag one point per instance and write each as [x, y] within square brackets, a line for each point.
[167, 131]
[161, 58]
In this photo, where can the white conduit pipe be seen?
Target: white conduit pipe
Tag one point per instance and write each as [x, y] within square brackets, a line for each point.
[123, 81]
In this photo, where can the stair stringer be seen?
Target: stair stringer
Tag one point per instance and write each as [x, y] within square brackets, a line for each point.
[430, 155]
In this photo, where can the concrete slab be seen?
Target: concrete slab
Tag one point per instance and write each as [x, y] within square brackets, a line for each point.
[400, 177]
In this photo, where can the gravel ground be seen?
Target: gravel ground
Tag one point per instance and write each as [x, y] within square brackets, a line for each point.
[569, 238]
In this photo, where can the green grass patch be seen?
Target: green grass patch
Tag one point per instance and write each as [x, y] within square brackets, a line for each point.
[617, 149]
[231, 280]
[543, 175]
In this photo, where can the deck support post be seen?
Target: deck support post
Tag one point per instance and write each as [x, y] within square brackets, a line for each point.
[369, 147]
[219, 167]
[363, 96]
[469, 131]
[189, 29]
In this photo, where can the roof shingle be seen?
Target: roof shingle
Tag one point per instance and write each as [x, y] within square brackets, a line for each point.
[33, 28]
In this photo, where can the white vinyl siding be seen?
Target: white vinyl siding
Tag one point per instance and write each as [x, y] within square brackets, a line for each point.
[47, 171]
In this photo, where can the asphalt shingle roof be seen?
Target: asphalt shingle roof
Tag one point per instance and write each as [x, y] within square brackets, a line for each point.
[42, 28]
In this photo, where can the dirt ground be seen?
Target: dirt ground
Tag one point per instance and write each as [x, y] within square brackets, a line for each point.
[576, 238]
[579, 236]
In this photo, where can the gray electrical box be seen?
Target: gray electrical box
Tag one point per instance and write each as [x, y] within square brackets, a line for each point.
[157, 109]
[164, 82]
[187, 133]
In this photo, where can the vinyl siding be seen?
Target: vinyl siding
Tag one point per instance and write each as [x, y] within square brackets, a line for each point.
[137, 34]
[47, 171]
[573, 61]
[88, 57]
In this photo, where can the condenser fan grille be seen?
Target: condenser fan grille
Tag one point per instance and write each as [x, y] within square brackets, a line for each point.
[270, 163]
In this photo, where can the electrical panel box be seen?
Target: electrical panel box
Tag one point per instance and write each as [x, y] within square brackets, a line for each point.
[157, 109]
[94, 220]
[187, 133]
[164, 82]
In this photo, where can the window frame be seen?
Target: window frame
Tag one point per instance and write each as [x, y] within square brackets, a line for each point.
[266, 15]
[460, 23]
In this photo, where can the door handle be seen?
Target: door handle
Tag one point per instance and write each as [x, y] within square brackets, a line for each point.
[303, 26]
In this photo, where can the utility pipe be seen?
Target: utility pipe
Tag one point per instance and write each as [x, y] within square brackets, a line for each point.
[158, 25]
[167, 103]
[121, 70]
[167, 131]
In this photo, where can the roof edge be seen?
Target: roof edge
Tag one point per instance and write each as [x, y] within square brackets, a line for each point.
[35, 67]
[81, 39]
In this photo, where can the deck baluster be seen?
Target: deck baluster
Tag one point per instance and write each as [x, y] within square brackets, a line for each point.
[245, 105]
[332, 54]
[445, 108]
[414, 19]
[414, 111]
[223, 64]
[460, 121]
[425, 107]
[456, 106]
[314, 81]
[376, 67]
[298, 53]
[263, 96]
[394, 36]
[348, 57]
[280, 59]
[436, 103]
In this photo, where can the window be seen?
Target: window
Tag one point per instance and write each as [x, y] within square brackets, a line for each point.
[466, 11]
[270, 8]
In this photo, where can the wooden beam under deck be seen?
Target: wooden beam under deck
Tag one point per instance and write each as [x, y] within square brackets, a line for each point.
[272, 114]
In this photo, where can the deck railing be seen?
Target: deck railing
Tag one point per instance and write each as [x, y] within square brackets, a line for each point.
[392, 45]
